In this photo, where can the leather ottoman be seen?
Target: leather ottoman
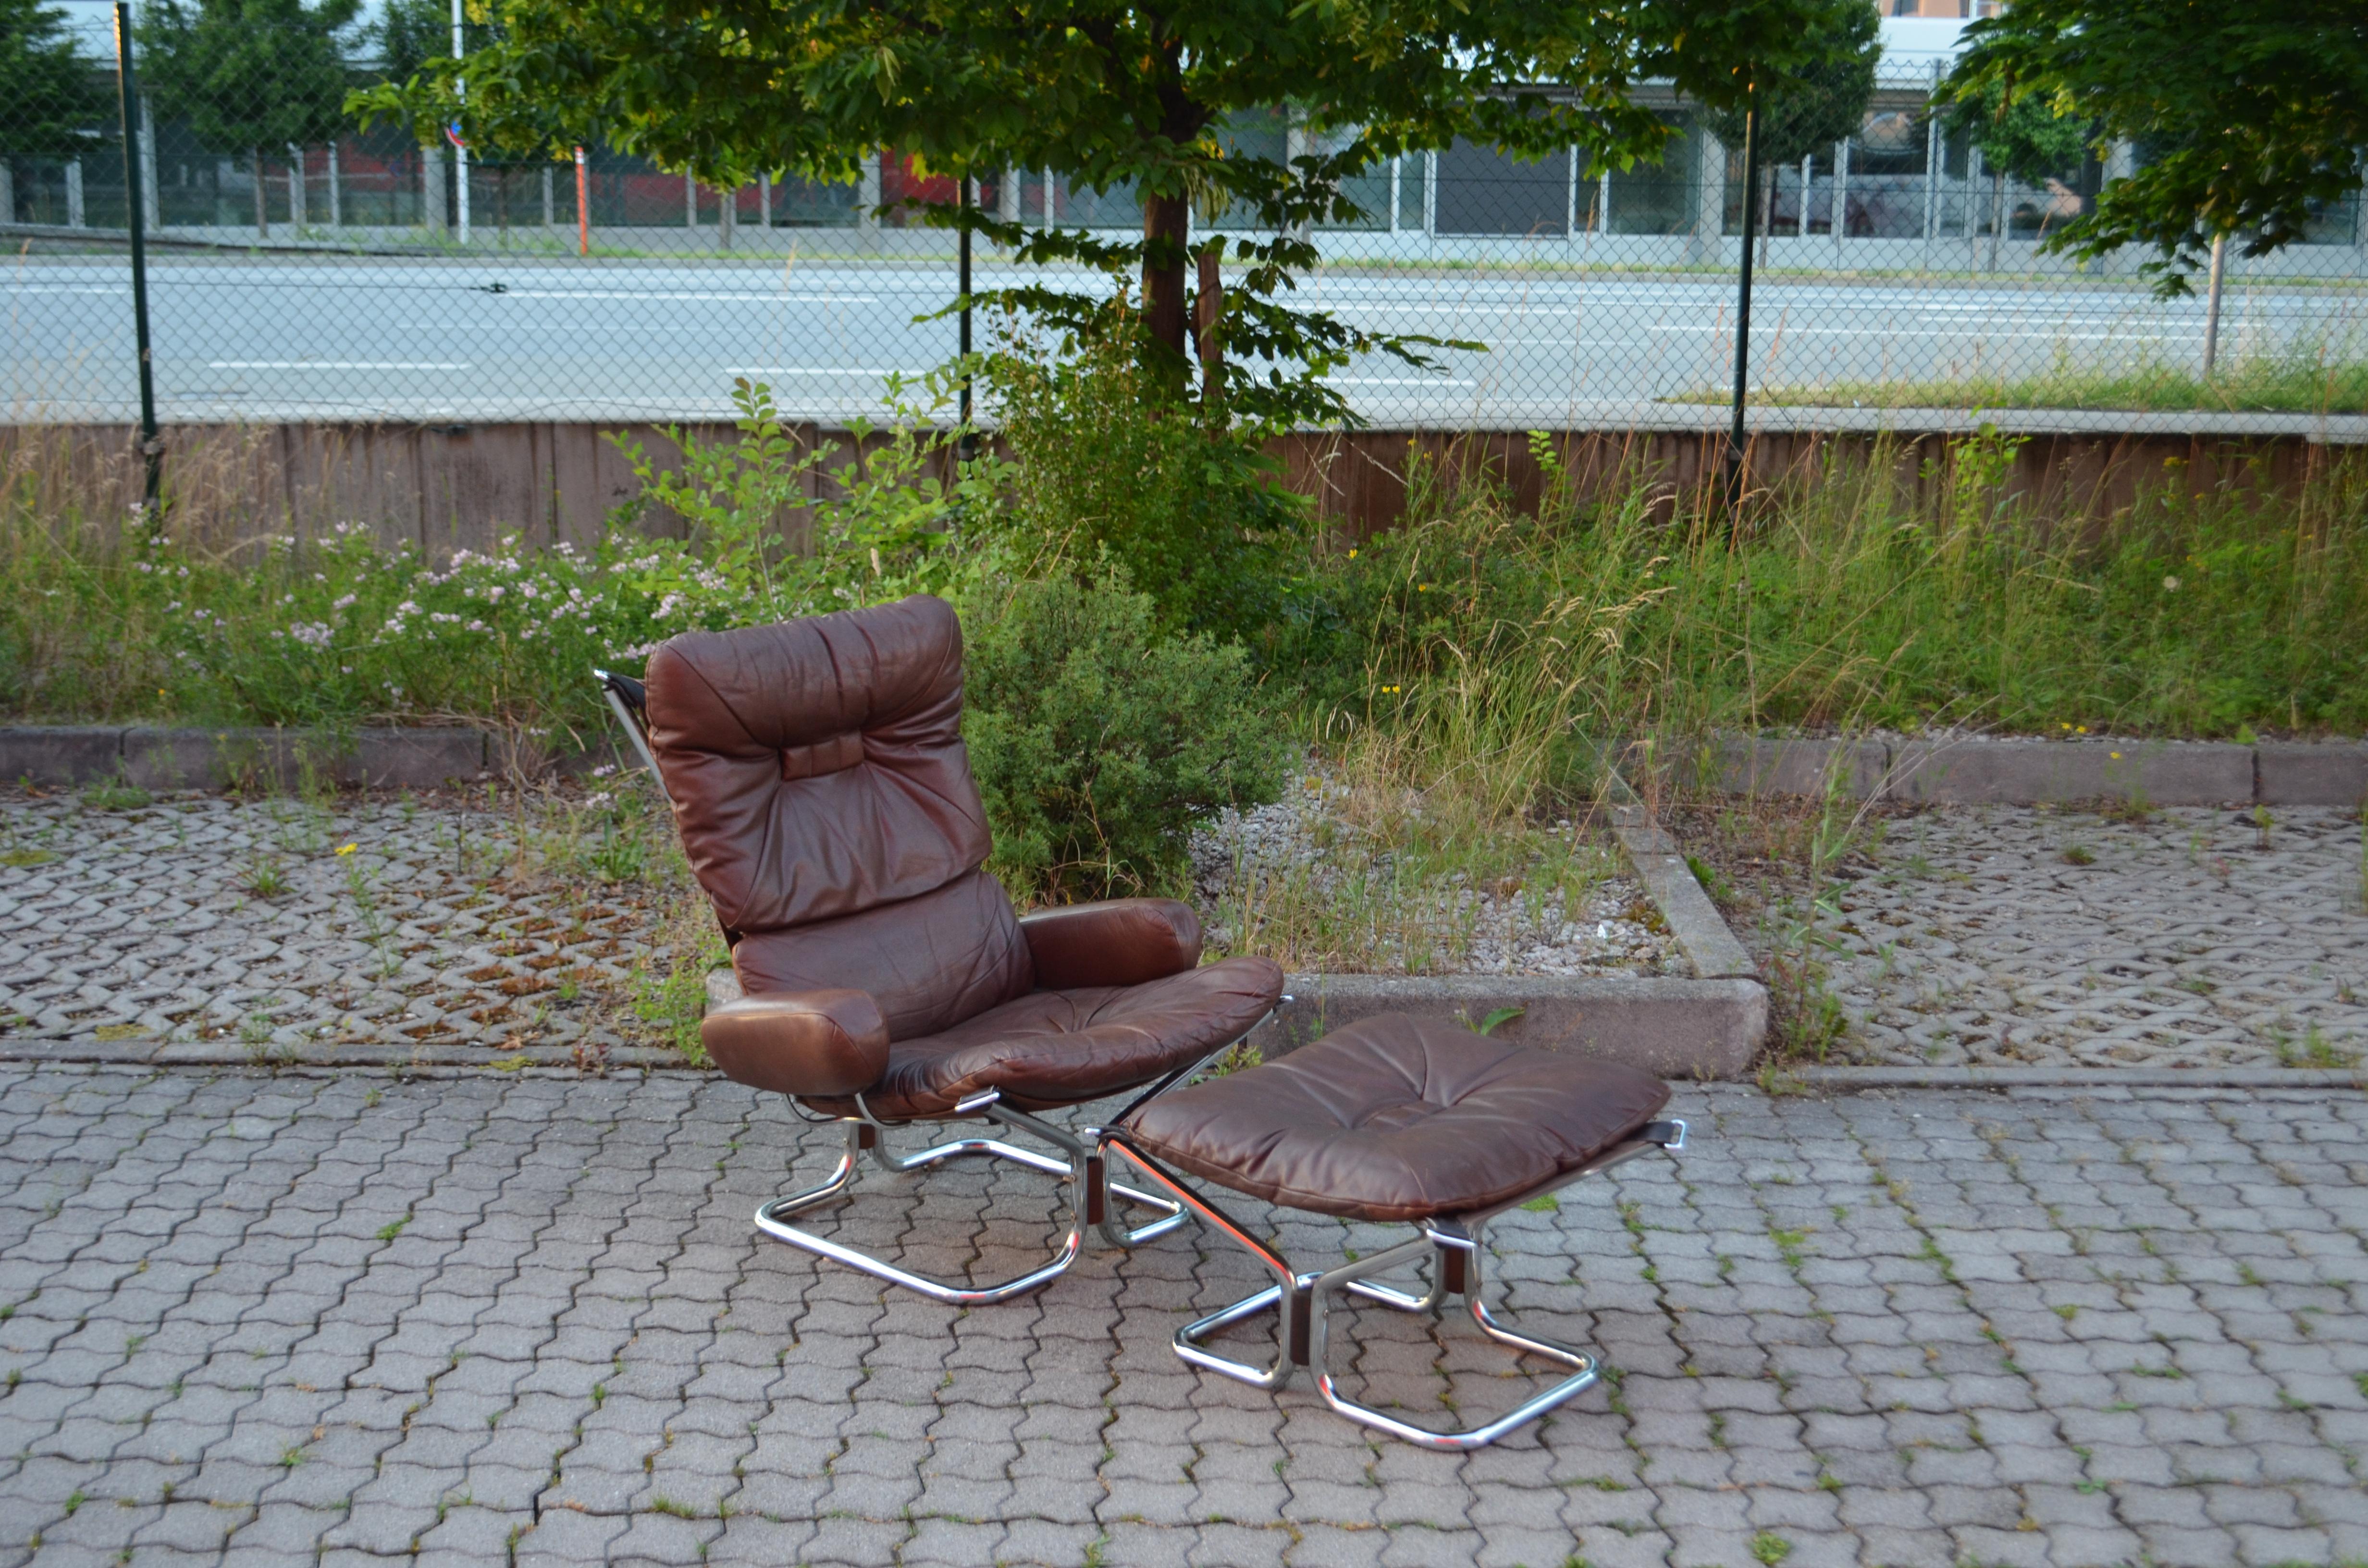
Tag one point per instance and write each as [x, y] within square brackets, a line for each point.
[1401, 1120]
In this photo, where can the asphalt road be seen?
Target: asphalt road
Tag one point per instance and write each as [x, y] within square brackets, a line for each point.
[633, 339]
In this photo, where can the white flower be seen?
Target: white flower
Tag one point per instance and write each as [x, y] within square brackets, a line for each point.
[602, 799]
[604, 770]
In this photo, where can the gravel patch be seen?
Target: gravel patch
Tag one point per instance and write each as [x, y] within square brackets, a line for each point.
[1326, 890]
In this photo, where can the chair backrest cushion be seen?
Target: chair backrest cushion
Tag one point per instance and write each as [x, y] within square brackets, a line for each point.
[818, 775]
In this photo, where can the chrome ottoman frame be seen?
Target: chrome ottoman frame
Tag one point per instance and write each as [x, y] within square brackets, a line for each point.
[1303, 1300]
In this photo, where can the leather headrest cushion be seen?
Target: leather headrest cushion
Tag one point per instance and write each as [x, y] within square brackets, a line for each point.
[817, 765]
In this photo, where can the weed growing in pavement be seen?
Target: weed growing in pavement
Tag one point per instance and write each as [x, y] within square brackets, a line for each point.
[265, 878]
[115, 795]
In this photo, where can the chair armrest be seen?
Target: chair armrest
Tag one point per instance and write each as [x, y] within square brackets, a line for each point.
[802, 1042]
[1122, 941]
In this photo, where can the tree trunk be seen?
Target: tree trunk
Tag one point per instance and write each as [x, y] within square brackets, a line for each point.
[262, 223]
[1165, 223]
[1207, 316]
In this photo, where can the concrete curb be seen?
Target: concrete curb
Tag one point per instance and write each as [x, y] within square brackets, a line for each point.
[2007, 770]
[149, 758]
[154, 1053]
[1852, 1078]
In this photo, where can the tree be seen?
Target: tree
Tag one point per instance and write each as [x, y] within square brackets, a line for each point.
[408, 34]
[1808, 108]
[251, 73]
[1114, 95]
[2256, 115]
[54, 97]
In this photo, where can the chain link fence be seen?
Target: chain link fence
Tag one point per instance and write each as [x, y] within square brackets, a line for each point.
[365, 278]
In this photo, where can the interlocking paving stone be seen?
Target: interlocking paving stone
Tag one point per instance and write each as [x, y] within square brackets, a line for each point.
[2194, 938]
[2058, 1326]
[213, 927]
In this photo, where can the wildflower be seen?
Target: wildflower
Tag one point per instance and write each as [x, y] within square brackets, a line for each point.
[2080, 729]
[1352, 552]
[2170, 585]
[602, 799]
[2116, 756]
[347, 848]
[604, 770]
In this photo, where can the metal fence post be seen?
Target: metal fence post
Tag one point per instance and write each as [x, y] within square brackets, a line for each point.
[1735, 474]
[127, 98]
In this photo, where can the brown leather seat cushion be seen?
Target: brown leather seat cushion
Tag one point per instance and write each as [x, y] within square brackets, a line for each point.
[1393, 1118]
[1060, 1048]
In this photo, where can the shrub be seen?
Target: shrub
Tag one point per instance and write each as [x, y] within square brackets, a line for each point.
[1112, 467]
[1097, 739]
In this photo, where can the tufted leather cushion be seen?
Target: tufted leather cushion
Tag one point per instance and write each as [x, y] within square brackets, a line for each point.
[1058, 1048]
[1393, 1118]
[817, 765]
[927, 961]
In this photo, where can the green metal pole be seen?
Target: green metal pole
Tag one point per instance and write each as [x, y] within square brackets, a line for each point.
[128, 107]
[1736, 436]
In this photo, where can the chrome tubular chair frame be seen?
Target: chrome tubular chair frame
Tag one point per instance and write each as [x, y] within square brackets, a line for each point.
[1080, 1166]
[1303, 1300]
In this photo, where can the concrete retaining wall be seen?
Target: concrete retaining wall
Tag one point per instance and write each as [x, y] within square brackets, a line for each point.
[464, 485]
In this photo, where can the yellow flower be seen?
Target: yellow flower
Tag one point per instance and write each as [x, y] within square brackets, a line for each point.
[2080, 729]
[2116, 756]
[2063, 726]
[1352, 552]
[347, 848]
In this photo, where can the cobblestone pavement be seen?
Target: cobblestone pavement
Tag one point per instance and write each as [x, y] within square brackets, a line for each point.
[282, 929]
[2014, 936]
[255, 1319]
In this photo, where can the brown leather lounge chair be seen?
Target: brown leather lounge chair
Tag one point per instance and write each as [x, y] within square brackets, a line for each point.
[818, 778]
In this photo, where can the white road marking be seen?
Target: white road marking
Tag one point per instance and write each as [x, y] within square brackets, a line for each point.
[657, 294]
[337, 364]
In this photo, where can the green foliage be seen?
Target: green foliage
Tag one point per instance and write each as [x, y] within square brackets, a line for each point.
[1822, 98]
[2025, 135]
[1120, 98]
[1502, 642]
[1097, 740]
[1111, 468]
[56, 98]
[408, 34]
[2296, 379]
[876, 524]
[253, 74]
[2256, 115]
[336, 629]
